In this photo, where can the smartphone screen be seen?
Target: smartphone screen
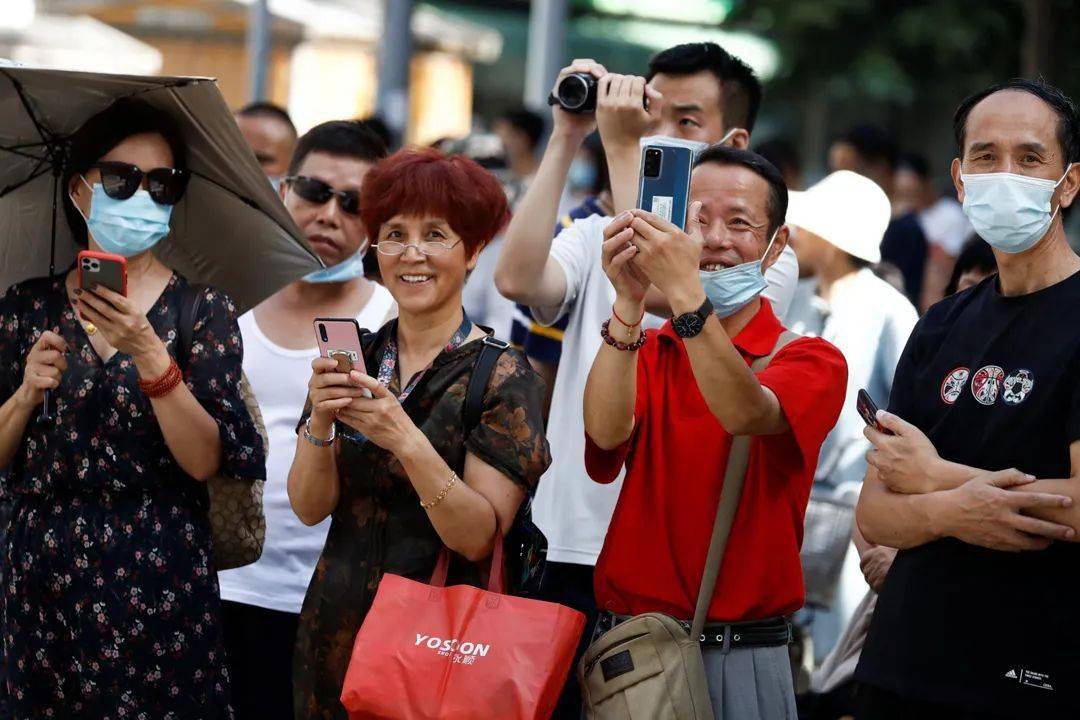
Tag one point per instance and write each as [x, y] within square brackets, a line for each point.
[868, 409]
[664, 182]
[339, 340]
[105, 269]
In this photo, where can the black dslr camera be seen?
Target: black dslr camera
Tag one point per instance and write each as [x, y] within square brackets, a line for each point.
[576, 93]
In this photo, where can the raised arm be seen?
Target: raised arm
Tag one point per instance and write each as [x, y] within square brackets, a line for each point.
[623, 121]
[525, 271]
[611, 391]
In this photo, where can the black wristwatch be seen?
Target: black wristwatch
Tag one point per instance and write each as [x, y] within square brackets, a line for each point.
[691, 324]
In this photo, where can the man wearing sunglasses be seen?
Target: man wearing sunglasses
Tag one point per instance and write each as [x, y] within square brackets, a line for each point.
[262, 601]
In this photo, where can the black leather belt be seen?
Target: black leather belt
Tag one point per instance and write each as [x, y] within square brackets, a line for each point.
[771, 632]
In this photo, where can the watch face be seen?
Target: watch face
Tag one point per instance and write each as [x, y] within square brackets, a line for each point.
[688, 325]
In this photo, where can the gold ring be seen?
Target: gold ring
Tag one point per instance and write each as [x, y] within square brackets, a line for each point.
[90, 328]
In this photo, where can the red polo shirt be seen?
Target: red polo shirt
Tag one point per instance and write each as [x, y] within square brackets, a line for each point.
[655, 548]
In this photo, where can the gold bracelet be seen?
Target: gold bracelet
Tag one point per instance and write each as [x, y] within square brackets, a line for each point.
[442, 495]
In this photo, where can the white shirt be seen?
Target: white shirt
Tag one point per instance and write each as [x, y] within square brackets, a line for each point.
[279, 378]
[869, 321]
[571, 509]
[481, 299]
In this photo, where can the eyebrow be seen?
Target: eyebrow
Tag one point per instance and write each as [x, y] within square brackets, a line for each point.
[1033, 146]
[687, 107]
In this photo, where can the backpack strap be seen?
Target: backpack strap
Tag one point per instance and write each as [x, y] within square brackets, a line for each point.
[490, 353]
[730, 493]
[190, 303]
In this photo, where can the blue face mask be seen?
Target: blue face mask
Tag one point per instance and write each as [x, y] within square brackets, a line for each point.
[582, 175]
[126, 227]
[1010, 212]
[348, 269]
[731, 289]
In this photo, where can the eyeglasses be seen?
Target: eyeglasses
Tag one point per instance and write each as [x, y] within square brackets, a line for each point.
[426, 247]
[318, 192]
[120, 180]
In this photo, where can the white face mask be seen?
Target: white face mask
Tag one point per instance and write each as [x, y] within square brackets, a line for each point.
[1010, 212]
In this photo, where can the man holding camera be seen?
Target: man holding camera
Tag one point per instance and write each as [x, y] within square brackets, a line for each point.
[669, 403]
[695, 92]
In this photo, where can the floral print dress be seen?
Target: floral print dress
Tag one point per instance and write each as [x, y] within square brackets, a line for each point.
[378, 525]
[110, 599]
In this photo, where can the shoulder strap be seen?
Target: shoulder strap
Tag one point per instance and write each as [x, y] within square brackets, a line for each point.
[734, 477]
[489, 356]
[185, 328]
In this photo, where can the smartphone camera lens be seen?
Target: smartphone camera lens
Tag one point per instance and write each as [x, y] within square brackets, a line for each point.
[652, 163]
[322, 333]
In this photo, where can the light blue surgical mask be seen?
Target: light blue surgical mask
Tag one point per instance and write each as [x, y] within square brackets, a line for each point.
[1010, 212]
[731, 289]
[126, 227]
[275, 182]
[582, 175]
[348, 269]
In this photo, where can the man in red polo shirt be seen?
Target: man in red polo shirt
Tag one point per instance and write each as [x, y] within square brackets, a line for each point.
[667, 403]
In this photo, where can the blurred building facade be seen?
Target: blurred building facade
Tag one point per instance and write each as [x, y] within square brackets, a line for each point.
[322, 59]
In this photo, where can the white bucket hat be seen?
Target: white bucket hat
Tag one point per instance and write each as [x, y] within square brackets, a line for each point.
[848, 210]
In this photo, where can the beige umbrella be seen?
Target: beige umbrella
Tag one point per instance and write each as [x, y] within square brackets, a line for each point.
[230, 230]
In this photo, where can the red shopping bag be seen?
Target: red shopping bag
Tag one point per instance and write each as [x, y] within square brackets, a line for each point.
[459, 653]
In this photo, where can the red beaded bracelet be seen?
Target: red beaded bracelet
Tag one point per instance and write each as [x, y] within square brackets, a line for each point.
[631, 347]
[623, 322]
[164, 383]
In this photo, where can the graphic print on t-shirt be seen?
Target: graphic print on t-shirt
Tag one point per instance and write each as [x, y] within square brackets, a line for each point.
[987, 383]
[1018, 385]
[953, 385]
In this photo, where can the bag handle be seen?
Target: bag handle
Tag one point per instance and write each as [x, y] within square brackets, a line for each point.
[496, 582]
[730, 493]
[185, 326]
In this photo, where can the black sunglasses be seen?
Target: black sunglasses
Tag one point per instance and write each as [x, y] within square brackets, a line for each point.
[318, 192]
[120, 181]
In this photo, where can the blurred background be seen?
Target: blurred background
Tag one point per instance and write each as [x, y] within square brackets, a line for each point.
[446, 68]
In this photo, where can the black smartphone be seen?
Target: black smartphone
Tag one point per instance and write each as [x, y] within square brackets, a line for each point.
[869, 410]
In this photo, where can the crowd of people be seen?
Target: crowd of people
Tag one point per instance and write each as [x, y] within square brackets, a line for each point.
[906, 563]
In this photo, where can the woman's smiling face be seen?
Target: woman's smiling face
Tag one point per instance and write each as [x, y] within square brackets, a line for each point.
[422, 283]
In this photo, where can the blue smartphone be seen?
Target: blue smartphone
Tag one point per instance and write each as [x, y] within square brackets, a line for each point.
[664, 183]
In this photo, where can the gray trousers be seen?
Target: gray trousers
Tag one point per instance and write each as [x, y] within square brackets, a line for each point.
[750, 683]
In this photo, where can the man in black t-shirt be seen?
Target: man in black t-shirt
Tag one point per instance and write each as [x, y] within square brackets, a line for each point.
[978, 615]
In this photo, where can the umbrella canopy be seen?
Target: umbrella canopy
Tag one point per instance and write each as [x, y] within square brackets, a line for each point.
[230, 230]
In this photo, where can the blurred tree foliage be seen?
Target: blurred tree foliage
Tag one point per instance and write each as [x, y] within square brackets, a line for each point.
[902, 62]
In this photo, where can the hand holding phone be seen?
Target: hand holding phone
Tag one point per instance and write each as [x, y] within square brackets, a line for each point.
[105, 269]
[339, 340]
[868, 409]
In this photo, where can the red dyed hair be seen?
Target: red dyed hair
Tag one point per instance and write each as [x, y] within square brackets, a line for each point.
[426, 182]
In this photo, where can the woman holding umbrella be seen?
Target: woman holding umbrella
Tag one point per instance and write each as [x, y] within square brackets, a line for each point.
[110, 599]
[397, 471]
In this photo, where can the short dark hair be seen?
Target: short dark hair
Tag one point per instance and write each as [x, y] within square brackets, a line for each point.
[268, 110]
[740, 88]
[873, 143]
[975, 255]
[528, 122]
[782, 153]
[915, 163]
[1068, 130]
[348, 138]
[101, 133]
[378, 126]
[778, 193]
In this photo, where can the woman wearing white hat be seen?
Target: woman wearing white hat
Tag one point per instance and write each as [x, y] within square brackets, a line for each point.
[839, 223]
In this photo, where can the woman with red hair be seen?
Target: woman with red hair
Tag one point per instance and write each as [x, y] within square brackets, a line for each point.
[398, 473]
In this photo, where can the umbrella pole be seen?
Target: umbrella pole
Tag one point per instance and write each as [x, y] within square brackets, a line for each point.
[46, 414]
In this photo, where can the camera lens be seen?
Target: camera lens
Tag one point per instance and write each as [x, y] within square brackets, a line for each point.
[577, 93]
[322, 333]
[652, 162]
